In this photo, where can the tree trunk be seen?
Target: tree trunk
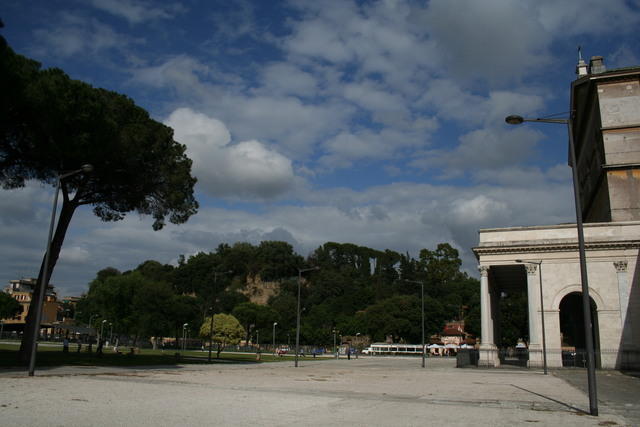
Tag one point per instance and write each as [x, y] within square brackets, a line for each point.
[66, 213]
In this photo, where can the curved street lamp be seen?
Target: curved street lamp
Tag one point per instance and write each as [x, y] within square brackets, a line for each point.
[300, 271]
[274, 336]
[586, 300]
[421, 283]
[44, 280]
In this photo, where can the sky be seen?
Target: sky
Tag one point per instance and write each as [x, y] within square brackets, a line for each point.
[379, 123]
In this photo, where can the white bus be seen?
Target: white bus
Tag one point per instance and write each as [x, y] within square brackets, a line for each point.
[393, 349]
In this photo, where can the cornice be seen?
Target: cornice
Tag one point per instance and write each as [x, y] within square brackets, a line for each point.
[554, 247]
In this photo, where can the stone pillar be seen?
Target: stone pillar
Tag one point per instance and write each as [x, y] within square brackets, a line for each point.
[535, 322]
[488, 350]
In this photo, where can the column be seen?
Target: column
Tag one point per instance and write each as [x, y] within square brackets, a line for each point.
[535, 322]
[488, 350]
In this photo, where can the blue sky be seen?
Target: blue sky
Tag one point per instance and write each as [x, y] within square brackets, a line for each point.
[379, 123]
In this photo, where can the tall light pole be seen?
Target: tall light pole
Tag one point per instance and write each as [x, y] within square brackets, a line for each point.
[215, 280]
[184, 335]
[44, 280]
[102, 331]
[210, 334]
[274, 336]
[421, 283]
[110, 332]
[300, 271]
[544, 336]
[335, 349]
[357, 343]
[586, 300]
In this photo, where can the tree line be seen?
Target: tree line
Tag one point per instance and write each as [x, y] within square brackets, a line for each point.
[355, 290]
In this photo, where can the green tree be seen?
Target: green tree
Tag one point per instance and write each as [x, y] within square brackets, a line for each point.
[9, 307]
[55, 124]
[226, 331]
[514, 319]
[255, 316]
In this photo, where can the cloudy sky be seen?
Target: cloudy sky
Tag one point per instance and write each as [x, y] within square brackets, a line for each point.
[379, 123]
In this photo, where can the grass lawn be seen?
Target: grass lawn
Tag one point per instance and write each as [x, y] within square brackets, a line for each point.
[52, 355]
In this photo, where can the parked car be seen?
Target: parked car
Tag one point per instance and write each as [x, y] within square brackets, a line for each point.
[282, 351]
[367, 350]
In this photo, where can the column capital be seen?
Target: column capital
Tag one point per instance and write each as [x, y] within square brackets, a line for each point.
[621, 266]
[531, 269]
[484, 270]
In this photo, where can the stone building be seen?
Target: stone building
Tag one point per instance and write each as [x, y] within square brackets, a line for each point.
[22, 290]
[543, 261]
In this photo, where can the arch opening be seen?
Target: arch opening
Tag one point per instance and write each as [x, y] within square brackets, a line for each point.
[572, 330]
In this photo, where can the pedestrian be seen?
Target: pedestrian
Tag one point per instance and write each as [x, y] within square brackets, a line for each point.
[65, 344]
[79, 346]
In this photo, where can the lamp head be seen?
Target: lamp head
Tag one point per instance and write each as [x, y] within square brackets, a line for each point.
[88, 168]
[514, 119]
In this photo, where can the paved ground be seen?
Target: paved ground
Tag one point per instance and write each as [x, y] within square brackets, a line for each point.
[364, 392]
[617, 392]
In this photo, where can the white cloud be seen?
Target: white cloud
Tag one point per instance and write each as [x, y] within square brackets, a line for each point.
[245, 169]
[75, 34]
[287, 79]
[136, 11]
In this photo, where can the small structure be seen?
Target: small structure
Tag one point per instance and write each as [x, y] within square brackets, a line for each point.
[22, 291]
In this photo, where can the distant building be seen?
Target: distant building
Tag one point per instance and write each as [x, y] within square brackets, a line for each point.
[606, 129]
[22, 291]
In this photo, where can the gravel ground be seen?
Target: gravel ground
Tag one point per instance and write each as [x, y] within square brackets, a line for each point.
[364, 392]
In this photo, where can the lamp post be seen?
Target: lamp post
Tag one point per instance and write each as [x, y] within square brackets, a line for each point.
[257, 341]
[44, 280]
[110, 332]
[544, 336]
[586, 300]
[102, 331]
[274, 336]
[421, 283]
[357, 343]
[210, 334]
[1, 328]
[300, 271]
[335, 349]
[184, 335]
[215, 279]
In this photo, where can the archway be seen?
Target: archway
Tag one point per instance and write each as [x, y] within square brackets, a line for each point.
[572, 330]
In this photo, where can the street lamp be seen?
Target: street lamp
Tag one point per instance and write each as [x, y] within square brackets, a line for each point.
[102, 332]
[586, 300]
[335, 349]
[215, 279]
[210, 334]
[44, 281]
[357, 343]
[274, 336]
[421, 283]
[544, 338]
[184, 334]
[300, 271]
[110, 332]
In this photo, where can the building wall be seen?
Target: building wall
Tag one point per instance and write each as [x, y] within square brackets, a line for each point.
[616, 293]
